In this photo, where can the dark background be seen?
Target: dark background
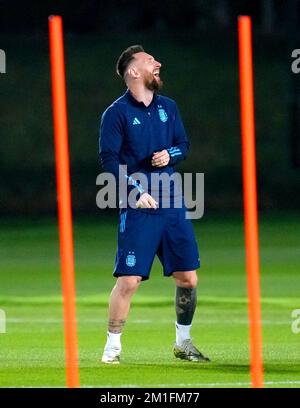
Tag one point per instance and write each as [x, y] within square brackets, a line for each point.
[196, 41]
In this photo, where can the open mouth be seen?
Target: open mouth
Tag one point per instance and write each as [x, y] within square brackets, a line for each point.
[156, 74]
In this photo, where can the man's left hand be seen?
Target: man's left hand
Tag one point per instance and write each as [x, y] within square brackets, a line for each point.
[160, 159]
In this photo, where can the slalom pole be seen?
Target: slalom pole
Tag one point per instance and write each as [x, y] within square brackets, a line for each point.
[250, 198]
[64, 197]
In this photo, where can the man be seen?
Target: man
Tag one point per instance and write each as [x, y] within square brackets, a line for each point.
[144, 131]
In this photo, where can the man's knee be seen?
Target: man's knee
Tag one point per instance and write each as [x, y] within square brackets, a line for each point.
[127, 285]
[186, 279]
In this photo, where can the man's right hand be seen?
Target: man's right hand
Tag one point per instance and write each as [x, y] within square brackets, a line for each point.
[146, 201]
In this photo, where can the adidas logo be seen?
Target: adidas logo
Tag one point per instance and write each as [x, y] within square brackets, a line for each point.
[136, 121]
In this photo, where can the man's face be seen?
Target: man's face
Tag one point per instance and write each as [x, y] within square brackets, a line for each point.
[149, 69]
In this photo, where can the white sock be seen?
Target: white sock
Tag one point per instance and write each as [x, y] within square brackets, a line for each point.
[182, 333]
[113, 340]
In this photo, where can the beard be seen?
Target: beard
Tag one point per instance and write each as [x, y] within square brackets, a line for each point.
[153, 83]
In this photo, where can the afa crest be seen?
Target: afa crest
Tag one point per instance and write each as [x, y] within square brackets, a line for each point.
[130, 259]
[162, 114]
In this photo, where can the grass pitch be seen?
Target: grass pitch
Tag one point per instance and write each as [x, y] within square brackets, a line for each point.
[32, 349]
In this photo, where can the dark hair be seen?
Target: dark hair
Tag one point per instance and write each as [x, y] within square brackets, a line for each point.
[126, 57]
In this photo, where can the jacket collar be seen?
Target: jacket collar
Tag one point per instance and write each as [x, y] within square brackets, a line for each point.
[134, 102]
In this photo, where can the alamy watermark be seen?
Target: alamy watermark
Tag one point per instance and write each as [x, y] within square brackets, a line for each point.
[170, 190]
[2, 321]
[296, 322]
[296, 63]
[2, 62]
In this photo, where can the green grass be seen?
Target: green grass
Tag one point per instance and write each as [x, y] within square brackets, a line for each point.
[32, 350]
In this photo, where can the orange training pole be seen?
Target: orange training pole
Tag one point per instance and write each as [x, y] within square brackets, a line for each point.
[64, 196]
[250, 197]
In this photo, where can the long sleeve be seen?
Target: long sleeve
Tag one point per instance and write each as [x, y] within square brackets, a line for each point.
[110, 143]
[178, 152]
[110, 140]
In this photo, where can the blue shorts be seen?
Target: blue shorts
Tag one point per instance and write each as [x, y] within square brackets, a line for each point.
[143, 235]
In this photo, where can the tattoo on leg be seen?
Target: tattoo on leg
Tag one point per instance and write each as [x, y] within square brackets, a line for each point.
[115, 326]
[186, 300]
